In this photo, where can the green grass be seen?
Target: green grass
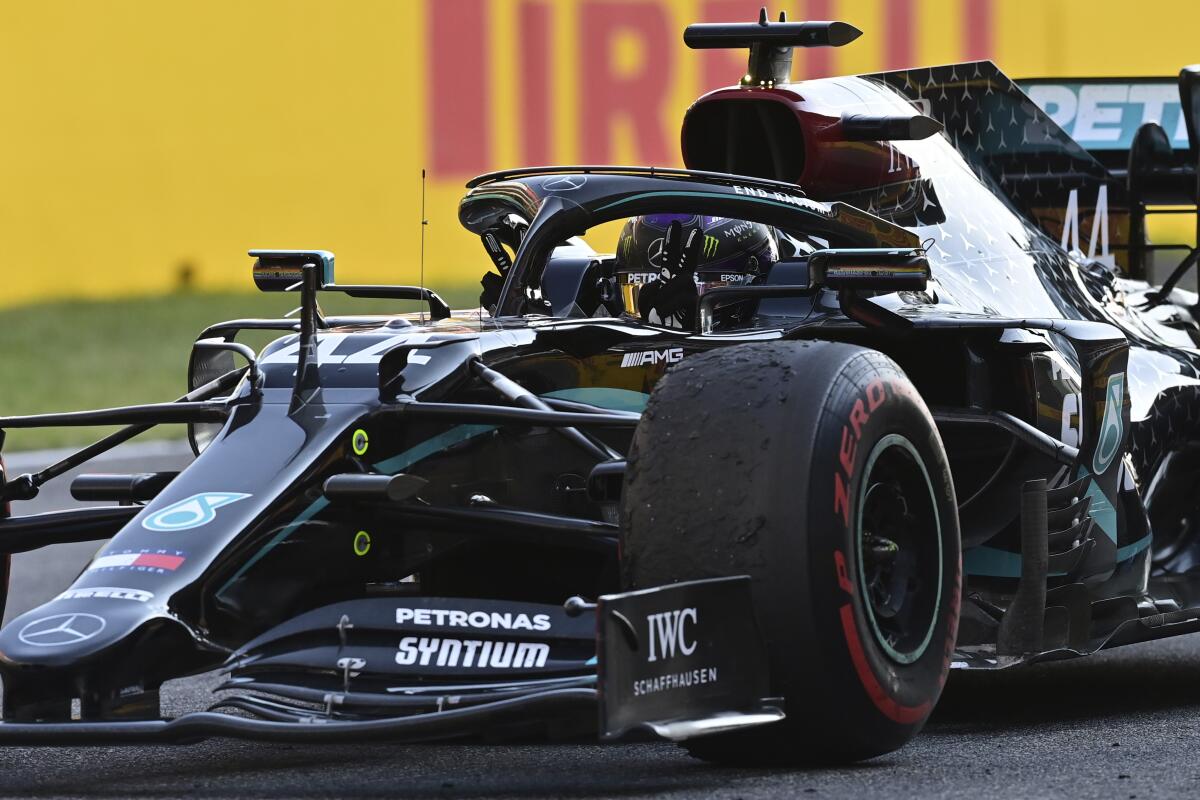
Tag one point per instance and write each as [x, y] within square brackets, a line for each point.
[74, 355]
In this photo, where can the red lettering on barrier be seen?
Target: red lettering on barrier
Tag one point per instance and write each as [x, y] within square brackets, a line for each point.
[533, 26]
[458, 93]
[977, 29]
[814, 62]
[606, 94]
[720, 68]
[898, 45]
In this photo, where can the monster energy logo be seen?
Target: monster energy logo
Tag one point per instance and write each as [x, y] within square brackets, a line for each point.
[710, 246]
[626, 244]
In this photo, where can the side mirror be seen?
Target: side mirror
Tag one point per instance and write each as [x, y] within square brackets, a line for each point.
[212, 359]
[870, 269]
[281, 270]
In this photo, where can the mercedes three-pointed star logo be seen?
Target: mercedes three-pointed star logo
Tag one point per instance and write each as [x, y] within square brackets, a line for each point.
[61, 629]
[654, 253]
[567, 183]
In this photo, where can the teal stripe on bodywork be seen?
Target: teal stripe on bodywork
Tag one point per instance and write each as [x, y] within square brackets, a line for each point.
[1130, 550]
[314, 508]
[992, 562]
[430, 447]
[1101, 509]
[390, 466]
[995, 563]
[604, 397]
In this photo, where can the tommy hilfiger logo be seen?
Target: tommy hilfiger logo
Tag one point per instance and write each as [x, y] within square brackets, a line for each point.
[159, 561]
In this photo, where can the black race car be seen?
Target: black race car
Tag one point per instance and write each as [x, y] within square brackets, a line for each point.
[762, 512]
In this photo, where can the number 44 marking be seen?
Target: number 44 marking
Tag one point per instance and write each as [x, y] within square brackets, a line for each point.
[327, 343]
[1099, 227]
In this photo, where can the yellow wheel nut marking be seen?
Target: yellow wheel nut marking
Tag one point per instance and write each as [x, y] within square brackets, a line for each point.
[358, 442]
[362, 543]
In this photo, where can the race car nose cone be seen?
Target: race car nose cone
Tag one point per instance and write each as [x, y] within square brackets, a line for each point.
[110, 649]
[70, 628]
[58, 630]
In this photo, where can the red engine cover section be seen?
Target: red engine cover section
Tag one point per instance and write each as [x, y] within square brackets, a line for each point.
[781, 134]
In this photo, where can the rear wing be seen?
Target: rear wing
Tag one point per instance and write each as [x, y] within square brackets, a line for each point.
[1103, 114]
[1145, 131]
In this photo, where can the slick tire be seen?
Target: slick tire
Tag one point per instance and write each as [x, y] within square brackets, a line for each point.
[816, 469]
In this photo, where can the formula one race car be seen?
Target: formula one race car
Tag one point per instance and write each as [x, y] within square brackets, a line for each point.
[847, 408]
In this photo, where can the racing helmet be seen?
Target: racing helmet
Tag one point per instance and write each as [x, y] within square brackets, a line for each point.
[708, 252]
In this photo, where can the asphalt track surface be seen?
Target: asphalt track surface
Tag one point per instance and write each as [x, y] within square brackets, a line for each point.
[1124, 724]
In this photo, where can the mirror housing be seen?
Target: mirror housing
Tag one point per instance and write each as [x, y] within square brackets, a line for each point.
[211, 359]
[870, 269]
[280, 270]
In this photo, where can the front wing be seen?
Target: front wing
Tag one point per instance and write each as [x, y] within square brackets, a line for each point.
[678, 661]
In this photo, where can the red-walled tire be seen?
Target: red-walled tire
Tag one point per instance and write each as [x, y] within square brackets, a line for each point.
[815, 468]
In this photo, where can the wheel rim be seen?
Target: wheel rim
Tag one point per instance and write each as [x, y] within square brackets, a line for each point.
[898, 538]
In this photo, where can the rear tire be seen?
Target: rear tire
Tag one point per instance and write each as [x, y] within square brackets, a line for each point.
[815, 468]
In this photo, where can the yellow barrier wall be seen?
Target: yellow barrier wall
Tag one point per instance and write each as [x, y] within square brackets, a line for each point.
[145, 139]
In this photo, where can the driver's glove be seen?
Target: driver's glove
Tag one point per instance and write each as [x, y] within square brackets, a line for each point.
[670, 301]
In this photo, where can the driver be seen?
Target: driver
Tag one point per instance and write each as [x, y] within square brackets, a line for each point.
[666, 261]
